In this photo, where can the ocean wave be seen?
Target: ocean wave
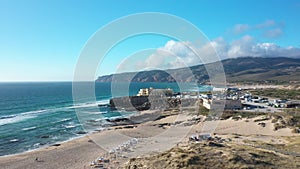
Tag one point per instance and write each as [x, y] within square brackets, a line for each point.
[33, 112]
[36, 145]
[8, 116]
[29, 128]
[103, 101]
[26, 115]
[99, 112]
[62, 120]
[14, 118]
[14, 140]
[85, 105]
[71, 126]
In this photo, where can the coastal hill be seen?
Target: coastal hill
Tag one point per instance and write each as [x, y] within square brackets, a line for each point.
[242, 69]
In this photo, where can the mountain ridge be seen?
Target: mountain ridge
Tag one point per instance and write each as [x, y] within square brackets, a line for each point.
[241, 69]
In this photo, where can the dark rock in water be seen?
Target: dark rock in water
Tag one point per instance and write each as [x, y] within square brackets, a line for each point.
[81, 132]
[117, 119]
[56, 145]
[163, 124]
[129, 127]
[92, 121]
[120, 121]
[46, 136]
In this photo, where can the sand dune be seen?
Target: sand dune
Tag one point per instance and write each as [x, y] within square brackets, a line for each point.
[153, 136]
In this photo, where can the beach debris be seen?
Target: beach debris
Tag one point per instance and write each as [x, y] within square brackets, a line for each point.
[100, 159]
[93, 163]
[200, 137]
[90, 141]
[114, 154]
[124, 146]
[262, 124]
[38, 159]
[208, 138]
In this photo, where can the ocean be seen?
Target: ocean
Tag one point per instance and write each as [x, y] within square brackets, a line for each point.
[39, 114]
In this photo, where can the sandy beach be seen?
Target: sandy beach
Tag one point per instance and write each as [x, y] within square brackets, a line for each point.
[151, 137]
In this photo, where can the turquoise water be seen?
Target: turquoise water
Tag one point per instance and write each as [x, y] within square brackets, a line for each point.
[33, 115]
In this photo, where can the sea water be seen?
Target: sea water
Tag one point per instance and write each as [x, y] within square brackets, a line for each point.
[33, 115]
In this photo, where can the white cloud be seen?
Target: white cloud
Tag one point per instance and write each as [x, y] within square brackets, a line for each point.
[247, 46]
[267, 23]
[173, 55]
[273, 33]
[269, 29]
[176, 54]
[240, 28]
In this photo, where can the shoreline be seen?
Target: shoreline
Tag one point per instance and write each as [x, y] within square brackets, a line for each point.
[45, 146]
[72, 138]
[47, 151]
[77, 153]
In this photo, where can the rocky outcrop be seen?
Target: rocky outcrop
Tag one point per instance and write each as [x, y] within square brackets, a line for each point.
[140, 103]
[130, 103]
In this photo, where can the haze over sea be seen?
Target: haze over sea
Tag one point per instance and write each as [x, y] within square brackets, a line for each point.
[33, 115]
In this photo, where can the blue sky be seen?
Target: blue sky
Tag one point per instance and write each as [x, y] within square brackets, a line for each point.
[42, 40]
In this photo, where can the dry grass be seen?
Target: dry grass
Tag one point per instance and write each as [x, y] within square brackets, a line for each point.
[204, 155]
[278, 93]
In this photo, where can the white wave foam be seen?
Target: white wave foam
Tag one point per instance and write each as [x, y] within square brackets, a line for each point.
[19, 117]
[62, 120]
[36, 144]
[33, 112]
[15, 119]
[103, 101]
[29, 128]
[72, 126]
[85, 105]
[97, 112]
[7, 116]
[14, 140]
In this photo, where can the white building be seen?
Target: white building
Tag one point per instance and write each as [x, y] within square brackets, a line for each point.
[228, 104]
[144, 92]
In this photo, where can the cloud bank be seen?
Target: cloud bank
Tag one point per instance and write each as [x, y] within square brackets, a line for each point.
[247, 46]
[178, 54]
[269, 29]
